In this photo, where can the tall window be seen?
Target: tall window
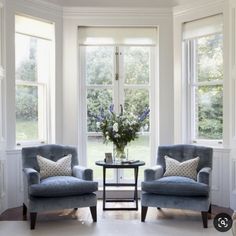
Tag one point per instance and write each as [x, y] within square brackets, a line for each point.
[119, 73]
[204, 69]
[33, 62]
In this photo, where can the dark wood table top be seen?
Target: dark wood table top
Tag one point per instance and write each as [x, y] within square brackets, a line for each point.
[120, 164]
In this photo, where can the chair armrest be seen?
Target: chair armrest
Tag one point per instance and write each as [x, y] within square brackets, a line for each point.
[32, 176]
[204, 175]
[156, 172]
[82, 172]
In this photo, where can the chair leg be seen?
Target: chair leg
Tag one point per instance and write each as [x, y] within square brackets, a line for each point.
[24, 212]
[33, 217]
[93, 210]
[204, 218]
[209, 212]
[143, 213]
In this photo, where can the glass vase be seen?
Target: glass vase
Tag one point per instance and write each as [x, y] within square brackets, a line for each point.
[119, 152]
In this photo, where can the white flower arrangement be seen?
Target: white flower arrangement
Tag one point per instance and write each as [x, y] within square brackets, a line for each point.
[121, 128]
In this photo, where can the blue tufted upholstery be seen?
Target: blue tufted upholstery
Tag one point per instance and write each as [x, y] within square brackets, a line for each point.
[176, 185]
[176, 191]
[60, 186]
[57, 192]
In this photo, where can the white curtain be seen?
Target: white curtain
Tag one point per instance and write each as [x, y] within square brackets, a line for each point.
[117, 35]
[33, 27]
[204, 26]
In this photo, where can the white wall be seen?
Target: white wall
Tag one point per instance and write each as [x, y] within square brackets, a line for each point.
[232, 76]
[3, 189]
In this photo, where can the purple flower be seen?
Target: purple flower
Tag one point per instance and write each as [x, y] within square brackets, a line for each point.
[111, 108]
[144, 115]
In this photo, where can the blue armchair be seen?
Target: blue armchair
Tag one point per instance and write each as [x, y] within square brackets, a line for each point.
[176, 191]
[56, 192]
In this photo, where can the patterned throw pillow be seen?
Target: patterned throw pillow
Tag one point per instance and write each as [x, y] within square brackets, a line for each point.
[186, 168]
[51, 168]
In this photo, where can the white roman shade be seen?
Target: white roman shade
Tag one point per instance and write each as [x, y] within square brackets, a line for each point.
[202, 27]
[37, 28]
[117, 35]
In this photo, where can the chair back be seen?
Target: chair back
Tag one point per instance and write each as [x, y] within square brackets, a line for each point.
[184, 152]
[52, 152]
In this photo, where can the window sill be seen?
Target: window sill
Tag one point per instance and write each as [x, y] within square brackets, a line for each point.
[206, 142]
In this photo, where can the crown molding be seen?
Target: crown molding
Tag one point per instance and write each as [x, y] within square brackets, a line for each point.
[198, 6]
[38, 5]
[93, 12]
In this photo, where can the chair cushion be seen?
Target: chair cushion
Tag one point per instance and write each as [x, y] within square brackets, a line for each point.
[48, 168]
[60, 186]
[186, 168]
[177, 186]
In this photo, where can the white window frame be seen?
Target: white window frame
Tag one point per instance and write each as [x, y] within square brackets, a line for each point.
[119, 94]
[192, 84]
[44, 99]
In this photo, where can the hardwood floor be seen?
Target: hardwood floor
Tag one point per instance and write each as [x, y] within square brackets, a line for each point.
[15, 214]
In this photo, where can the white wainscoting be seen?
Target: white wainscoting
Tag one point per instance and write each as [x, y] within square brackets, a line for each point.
[14, 178]
[220, 178]
[3, 189]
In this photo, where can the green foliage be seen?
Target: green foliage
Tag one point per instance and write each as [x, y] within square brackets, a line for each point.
[27, 71]
[210, 111]
[99, 65]
[210, 98]
[99, 71]
[27, 95]
[26, 130]
[136, 65]
[97, 98]
[26, 102]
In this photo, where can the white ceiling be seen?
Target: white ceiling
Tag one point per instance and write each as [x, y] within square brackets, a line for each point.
[120, 3]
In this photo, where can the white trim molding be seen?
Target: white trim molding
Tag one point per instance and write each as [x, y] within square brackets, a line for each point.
[40, 6]
[198, 6]
[115, 12]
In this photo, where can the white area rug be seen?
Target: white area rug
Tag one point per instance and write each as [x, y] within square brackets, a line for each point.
[73, 227]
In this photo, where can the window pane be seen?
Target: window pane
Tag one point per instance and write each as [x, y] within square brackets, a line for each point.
[209, 53]
[97, 99]
[136, 65]
[96, 150]
[99, 65]
[136, 101]
[209, 112]
[26, 113]
[32, 58]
